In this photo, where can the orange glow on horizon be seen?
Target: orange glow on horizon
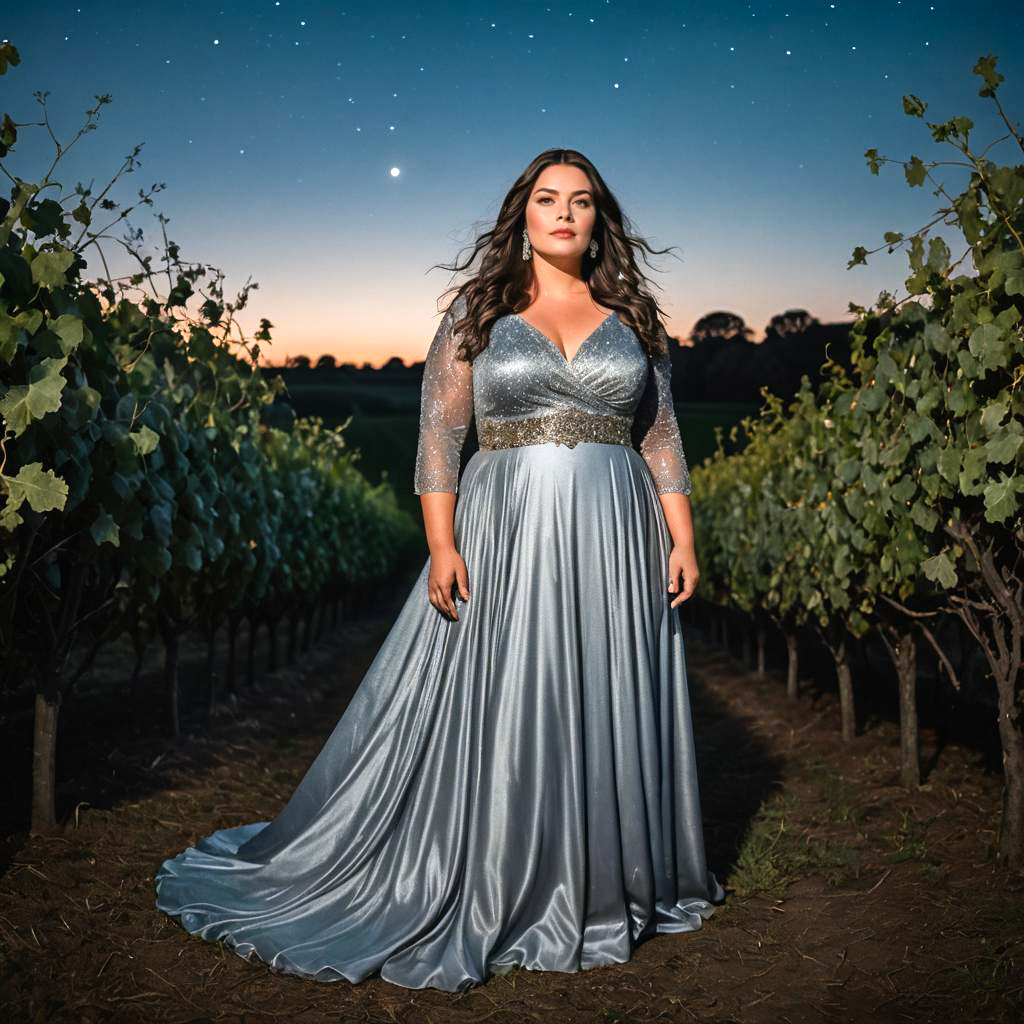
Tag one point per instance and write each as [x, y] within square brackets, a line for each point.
[406, 333]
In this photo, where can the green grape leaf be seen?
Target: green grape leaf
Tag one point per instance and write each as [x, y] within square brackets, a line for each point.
[41, 488]
[104, 530]
[940, 569]
[24, 403]
[50, 268]
[915, 171]
[70, 329]
[145, 440]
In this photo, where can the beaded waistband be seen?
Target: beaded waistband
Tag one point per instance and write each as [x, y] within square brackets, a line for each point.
[568, 427]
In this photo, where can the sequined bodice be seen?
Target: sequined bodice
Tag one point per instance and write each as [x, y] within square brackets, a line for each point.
[522, 374]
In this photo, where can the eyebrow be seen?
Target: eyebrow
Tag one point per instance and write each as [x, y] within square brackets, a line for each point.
[555, 190]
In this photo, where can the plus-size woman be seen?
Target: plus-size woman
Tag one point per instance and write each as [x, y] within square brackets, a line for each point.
[513, 784]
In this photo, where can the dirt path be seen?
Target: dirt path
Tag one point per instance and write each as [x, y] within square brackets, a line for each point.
[848, 898]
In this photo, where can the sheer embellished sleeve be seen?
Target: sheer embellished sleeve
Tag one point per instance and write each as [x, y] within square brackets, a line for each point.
[446, 409]
[656, 430]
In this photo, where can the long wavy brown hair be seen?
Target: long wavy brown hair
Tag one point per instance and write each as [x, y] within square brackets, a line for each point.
[503, 282]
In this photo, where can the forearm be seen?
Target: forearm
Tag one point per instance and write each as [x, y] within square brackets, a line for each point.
[439, 520]
[679, 518]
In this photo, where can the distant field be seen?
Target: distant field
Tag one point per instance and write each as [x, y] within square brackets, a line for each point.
[386, 419]
[335, 401]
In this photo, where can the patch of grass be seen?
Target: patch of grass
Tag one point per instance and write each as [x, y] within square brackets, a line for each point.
[838, 797]
[775, 853]
[908, 842]
[874, 809]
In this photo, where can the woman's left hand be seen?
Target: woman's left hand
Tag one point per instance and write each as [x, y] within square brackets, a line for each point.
[683, 563]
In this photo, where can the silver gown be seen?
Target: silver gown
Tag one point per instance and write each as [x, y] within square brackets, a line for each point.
[517, 787]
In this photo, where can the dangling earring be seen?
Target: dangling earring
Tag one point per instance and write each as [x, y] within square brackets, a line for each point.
[593, 248]
[527, 251]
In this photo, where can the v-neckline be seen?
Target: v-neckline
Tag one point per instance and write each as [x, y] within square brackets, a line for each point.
[558, 351]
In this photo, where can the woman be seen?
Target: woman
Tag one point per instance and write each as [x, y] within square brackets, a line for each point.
[513, 784]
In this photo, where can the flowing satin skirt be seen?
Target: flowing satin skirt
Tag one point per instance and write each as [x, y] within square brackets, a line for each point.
[517, 788]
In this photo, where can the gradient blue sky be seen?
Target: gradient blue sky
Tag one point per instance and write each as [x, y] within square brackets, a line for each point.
[733, 131]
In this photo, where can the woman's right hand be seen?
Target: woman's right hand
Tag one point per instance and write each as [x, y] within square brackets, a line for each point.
[446, 568]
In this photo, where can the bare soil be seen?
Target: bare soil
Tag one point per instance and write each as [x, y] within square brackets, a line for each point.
[849, 898]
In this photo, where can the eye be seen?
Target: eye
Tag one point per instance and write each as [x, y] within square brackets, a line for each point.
[548, 199]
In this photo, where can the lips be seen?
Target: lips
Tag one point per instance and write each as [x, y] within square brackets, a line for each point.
[564, 234]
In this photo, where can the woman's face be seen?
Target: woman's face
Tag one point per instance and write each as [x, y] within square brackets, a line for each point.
[561, 200]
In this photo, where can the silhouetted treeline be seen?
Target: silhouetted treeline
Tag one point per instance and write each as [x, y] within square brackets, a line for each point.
[717, 363]
[725, 366]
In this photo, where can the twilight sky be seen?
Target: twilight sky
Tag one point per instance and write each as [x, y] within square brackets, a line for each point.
[732, 131]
